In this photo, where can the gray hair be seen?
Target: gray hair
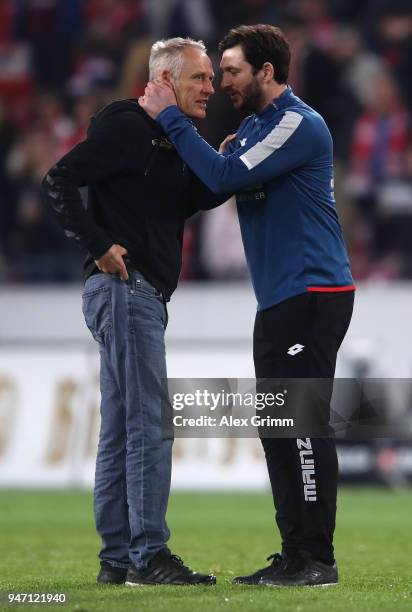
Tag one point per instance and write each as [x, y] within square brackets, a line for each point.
[168, 55]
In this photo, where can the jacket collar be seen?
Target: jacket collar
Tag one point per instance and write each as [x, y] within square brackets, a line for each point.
[282, 101]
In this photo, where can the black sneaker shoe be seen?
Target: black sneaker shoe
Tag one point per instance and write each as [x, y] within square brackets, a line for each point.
[165, 568]
[314, 573]
[111, 575]
[266, 571]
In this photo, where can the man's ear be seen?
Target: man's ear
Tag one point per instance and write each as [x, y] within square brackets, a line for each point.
[268, 72]
[165, 76]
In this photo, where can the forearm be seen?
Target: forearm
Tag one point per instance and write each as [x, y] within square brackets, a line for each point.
[206, 163]
[279, 149]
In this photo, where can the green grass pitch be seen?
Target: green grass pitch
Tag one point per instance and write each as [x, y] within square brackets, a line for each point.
[49, 546]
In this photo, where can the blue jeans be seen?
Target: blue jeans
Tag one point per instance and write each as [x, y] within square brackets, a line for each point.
[133, 466]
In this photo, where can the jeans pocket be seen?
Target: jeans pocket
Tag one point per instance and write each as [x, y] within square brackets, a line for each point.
[166, 316]
[140, 286]
[97, 312]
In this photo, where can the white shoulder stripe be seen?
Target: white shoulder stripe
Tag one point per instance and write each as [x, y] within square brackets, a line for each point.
[273, 141]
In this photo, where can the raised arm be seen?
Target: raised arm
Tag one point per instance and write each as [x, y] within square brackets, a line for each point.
[283, 147]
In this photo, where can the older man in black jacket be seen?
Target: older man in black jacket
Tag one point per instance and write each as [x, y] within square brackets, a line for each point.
[139, 195]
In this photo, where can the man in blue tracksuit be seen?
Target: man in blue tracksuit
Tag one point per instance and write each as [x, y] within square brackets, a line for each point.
[280, 166]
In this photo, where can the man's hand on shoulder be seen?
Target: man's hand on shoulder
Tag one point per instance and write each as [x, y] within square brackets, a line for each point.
[158, 95]
[112, 262]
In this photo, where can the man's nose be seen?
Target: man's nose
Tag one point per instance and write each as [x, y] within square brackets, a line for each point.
[225, 82]
[208, 87]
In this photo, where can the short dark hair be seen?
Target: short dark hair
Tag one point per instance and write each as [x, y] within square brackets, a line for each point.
[261, 43]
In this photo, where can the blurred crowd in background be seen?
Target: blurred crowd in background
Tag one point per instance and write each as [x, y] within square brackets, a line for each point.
[61, 60]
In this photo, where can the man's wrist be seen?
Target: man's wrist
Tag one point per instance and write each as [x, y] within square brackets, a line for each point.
[169, 112]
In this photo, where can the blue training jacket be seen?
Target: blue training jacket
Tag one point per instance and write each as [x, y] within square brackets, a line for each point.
[280, 166]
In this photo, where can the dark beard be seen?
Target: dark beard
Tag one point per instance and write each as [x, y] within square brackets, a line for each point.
[253, 98]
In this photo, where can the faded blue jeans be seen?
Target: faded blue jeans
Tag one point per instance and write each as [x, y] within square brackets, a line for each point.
[133, 466]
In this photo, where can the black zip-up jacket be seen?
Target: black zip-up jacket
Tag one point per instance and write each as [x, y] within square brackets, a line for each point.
[140, 193]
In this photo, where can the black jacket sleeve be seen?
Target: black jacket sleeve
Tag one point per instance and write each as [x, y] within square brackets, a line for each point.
[113, 147]
[202, 198]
